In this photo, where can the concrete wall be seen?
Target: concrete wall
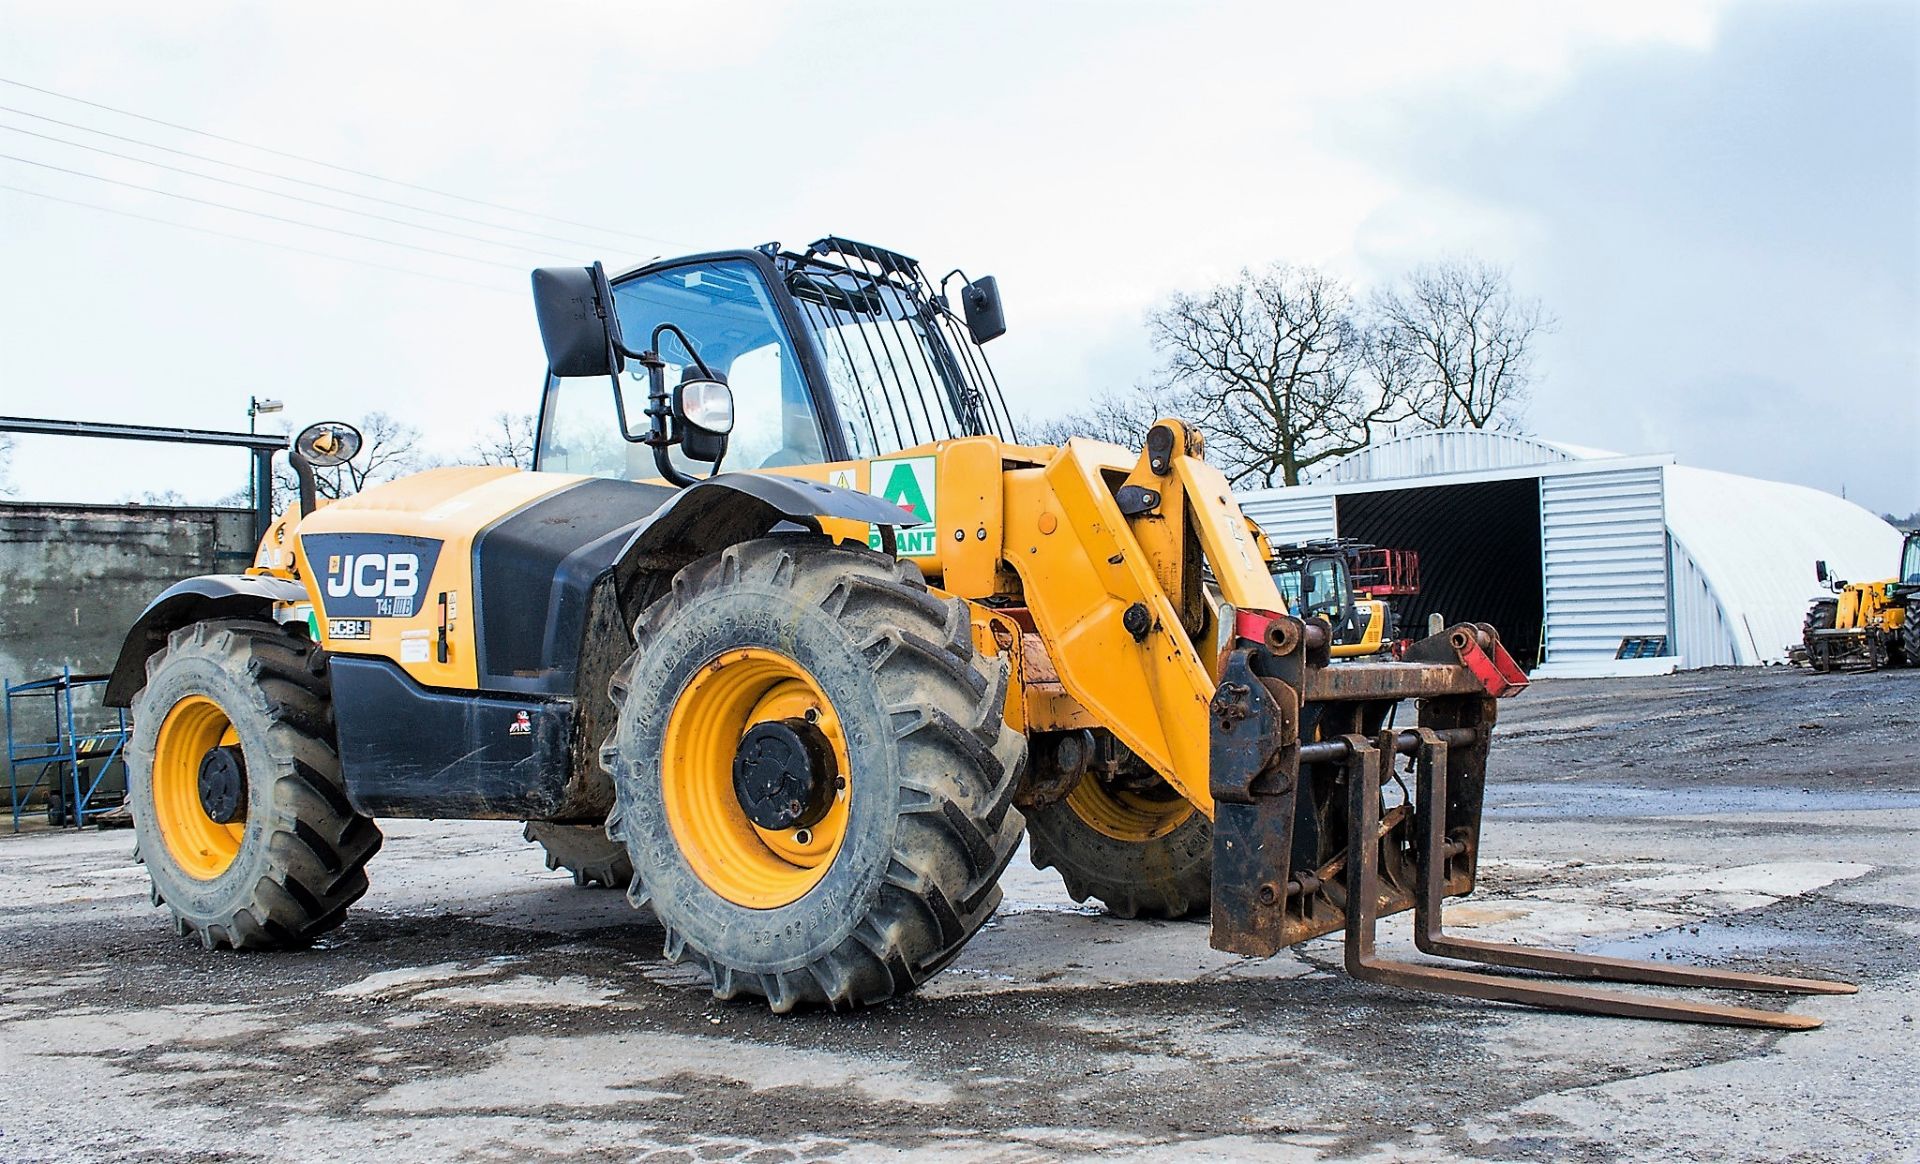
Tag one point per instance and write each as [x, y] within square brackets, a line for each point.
[74, 577]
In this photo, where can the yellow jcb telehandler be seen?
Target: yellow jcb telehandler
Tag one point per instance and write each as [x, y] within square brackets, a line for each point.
[806, 707]
[1866, 625]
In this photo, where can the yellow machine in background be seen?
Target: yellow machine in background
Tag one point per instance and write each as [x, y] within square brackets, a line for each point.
[1349, 584]
[1867, 625]
[806, 709]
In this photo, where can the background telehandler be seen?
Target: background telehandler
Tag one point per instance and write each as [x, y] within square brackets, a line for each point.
[806, 707]
[1867, 625]
[1352, 585]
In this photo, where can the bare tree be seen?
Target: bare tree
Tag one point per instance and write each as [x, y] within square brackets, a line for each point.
[1457, 342]
[389, 449]
[1270, 367]
[508, 440]
[1120, 418]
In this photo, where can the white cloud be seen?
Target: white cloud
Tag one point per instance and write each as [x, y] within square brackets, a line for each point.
[1093, 156]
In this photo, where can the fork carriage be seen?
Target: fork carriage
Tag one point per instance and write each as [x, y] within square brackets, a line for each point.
[1306, 842]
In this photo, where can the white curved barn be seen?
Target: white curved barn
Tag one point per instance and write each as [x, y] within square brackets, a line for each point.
[1590, 562]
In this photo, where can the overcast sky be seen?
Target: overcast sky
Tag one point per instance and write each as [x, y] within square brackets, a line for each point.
[1717, 201]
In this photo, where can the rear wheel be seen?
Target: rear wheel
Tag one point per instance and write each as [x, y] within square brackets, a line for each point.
[1822, 615]
[586, 851]
[1910, 634]
[812, 775]
[1132, 843]
[238, 807]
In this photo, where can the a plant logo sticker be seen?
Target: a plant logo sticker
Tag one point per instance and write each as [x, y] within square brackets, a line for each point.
[910, 483]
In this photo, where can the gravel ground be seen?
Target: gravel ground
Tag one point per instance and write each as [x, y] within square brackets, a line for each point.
[479, 1007]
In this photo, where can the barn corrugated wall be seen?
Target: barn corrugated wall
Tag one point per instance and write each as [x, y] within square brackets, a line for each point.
[1288, 517]
[1428, 454]
[1603, 540]
[1701, 635]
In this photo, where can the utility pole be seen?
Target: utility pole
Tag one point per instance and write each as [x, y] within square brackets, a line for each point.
[256, 406]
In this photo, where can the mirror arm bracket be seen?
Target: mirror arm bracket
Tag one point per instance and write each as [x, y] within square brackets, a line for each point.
[659, 412]
[303, 469]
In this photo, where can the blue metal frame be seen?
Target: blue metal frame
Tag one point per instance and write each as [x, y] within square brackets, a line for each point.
[65, 756]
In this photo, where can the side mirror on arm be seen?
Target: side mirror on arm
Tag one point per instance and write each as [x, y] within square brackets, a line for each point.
[986, 318]
[578, 325]
[580, 328]
[326, 445]
[703, 414]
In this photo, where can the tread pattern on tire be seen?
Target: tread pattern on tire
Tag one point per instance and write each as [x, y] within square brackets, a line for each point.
[956, 828]
[586, 851]
[1167, 877]
[1910, 634]
[1822, 615]
[316, 845]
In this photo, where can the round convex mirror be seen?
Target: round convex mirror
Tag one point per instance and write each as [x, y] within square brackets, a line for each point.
[329, 443]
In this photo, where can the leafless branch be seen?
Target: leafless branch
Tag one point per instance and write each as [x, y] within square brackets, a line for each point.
[390, 449]
[1457, 343]
[1120, 418]
[507, 440]
[1271, 368]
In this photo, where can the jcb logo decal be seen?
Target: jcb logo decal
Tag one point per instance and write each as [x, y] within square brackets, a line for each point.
[372, 575]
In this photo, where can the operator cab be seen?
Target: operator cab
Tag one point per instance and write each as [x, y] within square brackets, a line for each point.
[1314, 580]
[842, 351]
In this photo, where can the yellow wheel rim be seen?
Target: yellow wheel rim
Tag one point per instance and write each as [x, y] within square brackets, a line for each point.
[202, 847]
[742, 862]
[1126, 816]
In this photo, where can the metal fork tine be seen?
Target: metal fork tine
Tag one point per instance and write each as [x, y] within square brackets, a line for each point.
[1363, 902]
[1431, 937]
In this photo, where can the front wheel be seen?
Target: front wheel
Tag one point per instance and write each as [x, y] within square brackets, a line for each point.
[1910, 634]
[812, 775]
[239, 812]
[1823, 615]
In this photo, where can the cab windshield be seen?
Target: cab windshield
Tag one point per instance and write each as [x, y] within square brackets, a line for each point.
[1910, 562]
[727, 312]
[1315, 586]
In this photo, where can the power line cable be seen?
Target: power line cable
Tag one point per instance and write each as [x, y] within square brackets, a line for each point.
[333, 166]
[278, 176]
[257, 241]
[263, 214]
[271, 193]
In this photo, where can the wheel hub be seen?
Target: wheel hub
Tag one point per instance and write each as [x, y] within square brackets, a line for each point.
[783, 774]
[223, 784]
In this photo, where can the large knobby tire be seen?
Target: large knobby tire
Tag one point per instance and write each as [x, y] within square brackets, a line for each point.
[1822, 615]
[915, 762]
[1910, 635]
[287, 866]
[1140, 855]
[586, 851]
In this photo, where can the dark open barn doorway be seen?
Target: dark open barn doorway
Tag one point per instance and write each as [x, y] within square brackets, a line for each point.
[1479, 547]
